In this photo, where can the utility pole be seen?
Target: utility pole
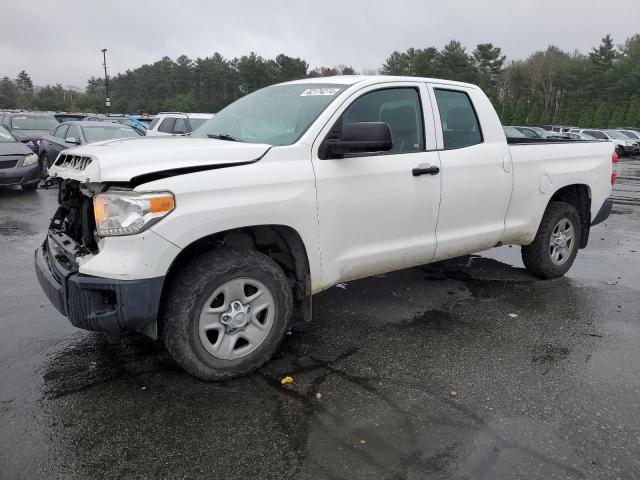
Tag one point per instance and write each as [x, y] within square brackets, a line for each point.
[106, 80]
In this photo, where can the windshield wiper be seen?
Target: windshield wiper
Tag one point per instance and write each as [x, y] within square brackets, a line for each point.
[223, 136]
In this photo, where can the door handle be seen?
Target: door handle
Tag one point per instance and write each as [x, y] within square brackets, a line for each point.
[425, 169]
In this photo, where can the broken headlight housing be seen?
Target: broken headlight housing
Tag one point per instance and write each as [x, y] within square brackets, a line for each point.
[128, 213]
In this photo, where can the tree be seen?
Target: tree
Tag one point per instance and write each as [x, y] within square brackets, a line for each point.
[455, 64]
[605, 54]
[488, 61]
[25, 89]
[289, 68]
[8, 93]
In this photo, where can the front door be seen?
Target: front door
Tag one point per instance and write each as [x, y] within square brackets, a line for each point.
[375, 213]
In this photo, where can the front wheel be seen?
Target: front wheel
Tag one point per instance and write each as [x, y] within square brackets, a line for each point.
[44, 166]
[226, 313]
[555, 247]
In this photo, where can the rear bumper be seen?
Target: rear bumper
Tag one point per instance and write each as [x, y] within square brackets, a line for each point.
[94, 303]
[603, 213]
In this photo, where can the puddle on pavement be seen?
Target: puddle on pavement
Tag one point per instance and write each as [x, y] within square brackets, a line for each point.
[94, 359]
[12, 228]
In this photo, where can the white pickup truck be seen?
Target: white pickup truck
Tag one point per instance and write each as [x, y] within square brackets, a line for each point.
[214, 243]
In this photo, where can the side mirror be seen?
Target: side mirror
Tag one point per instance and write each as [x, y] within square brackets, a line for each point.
[361, 137]
[72, 140]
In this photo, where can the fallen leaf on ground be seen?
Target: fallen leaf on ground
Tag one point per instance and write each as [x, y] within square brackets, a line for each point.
[453, 393]
[286, 380]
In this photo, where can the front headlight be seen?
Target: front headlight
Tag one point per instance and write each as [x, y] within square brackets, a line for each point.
[29, 160]
[128, 213]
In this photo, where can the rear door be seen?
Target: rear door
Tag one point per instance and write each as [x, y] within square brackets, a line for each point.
[476, 171]
[374, 215]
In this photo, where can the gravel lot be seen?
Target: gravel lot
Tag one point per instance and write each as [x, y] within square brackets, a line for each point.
[469, 368]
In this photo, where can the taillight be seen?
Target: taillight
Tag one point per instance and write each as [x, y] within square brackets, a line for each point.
[615, 167]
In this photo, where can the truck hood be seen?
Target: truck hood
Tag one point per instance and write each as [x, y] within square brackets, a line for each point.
[142, 159]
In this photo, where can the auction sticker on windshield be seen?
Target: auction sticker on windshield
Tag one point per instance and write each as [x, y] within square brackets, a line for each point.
[309, 92]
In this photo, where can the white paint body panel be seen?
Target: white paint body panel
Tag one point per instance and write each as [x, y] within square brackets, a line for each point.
[355, 216]
[131, 257]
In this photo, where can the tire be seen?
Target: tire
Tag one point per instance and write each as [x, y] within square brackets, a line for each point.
[44, 166]
[538, 257]
[29, 187]
[205, 352]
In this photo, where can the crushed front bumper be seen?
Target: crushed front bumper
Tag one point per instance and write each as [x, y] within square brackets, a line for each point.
[94, 303]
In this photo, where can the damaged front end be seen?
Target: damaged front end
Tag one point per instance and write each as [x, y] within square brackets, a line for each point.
[90, 302]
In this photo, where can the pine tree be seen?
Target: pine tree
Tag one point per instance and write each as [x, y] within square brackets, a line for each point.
[8, 93]
[605, 54]
[25, 89]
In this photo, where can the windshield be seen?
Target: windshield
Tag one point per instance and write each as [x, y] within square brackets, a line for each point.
[276, 115]
[33, 122]
[630, 134]
[196, 122]
[616, 135]
[511, 132]
[527, 132]
[98, 134]
[5, 136]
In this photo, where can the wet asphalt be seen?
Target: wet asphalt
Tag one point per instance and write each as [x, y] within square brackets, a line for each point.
[469, 368]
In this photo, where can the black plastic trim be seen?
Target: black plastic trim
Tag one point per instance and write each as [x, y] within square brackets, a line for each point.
[603, 213]
[96, 303]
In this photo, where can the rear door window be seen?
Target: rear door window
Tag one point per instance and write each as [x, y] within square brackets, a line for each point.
[596, 134]
[167, 125]
[460, 125]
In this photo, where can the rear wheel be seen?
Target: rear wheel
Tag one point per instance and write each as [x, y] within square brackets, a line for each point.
[226, 313]
[555, 247]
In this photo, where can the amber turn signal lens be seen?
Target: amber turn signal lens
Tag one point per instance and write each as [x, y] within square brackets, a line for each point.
[161, 204]
[100, 208]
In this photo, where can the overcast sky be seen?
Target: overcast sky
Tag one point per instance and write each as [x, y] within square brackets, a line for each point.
[61, 41]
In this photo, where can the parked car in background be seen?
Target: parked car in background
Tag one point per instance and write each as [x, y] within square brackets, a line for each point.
[629, 146]
[546, 133]
[18, 164]
[624, 146]
[176, 123]
[29, 128]
[632, 134]
[579, 136]
[69, 117]
[513, 132]
[71, 134]
[140, 128]
[537, 133]
[558, 128]
[528, 132]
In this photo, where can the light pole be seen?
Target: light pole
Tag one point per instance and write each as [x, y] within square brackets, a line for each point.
[106, 80]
